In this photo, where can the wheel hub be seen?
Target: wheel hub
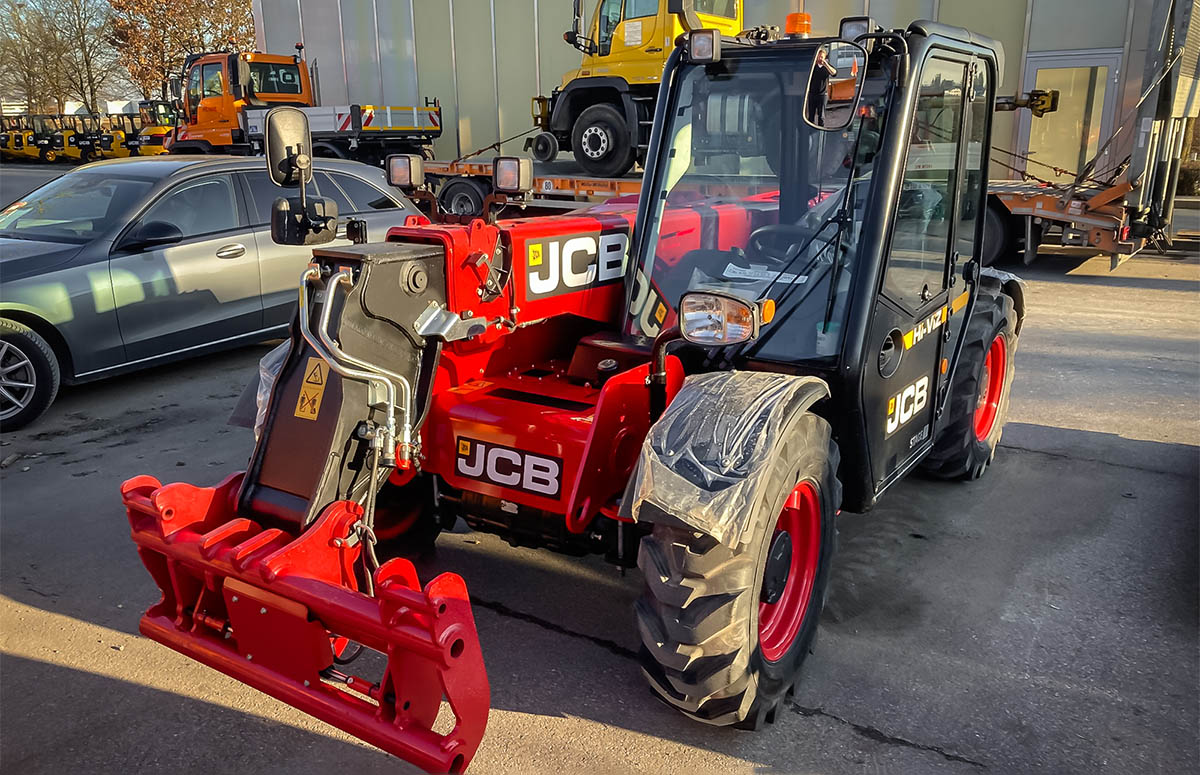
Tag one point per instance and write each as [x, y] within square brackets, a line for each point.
[779, 563]
[18, 382]
[595, 142]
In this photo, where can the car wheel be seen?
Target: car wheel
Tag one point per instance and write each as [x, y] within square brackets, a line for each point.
[29, 375]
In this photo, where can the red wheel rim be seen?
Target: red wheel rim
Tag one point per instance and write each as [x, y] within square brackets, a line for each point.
[991, 385]
[779, 622]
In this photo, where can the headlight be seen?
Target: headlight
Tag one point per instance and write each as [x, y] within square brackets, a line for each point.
[512, 175]
[405, 171]
[704, 45]
[714, 318]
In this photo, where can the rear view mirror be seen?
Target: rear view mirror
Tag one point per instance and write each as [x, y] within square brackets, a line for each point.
[288, 148]
[297, 222]
[835, 84]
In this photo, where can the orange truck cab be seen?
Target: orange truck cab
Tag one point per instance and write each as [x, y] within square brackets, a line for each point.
[218, 87]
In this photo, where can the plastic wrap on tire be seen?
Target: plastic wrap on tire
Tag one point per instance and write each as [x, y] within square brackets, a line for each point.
[268, 369]
[701, 461]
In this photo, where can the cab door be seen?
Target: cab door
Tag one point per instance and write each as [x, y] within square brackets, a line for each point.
[628, 40]
[922, 287]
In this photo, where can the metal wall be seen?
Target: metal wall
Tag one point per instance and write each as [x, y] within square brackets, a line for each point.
[485, 59]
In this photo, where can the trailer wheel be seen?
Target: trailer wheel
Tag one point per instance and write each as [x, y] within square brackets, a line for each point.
[463, 196]
[725, 631]
[406, 521]
[29, 375]
[601, 142]
[997, 236]
[978, 408]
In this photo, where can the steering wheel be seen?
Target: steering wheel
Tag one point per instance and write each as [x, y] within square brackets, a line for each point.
[766, 241]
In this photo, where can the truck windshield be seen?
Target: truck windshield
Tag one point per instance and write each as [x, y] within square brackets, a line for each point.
[275, 77]
[750, 198]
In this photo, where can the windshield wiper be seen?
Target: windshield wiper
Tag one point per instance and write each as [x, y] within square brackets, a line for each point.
[14, 235]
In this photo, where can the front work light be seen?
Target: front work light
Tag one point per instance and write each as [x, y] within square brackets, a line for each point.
[704, 45]
[405, 171]
[852, 27]
[512, 175]
[714, 318]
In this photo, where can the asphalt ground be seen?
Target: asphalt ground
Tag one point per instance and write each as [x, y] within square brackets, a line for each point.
[1043, 619]
[18, 178]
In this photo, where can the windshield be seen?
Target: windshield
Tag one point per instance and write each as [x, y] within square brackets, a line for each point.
[74, 208]
[275, 78]
[748, 196]
[157, 114]
[45, 124]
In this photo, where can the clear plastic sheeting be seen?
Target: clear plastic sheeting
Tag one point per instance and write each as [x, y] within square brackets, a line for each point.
[268, 370]
[705, 461]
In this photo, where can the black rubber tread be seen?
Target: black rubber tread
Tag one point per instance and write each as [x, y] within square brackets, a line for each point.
[997, 236]
[698, 614]
[48, 375]
[957, 453]
[620, 157]
[475, 192]
[393, 503]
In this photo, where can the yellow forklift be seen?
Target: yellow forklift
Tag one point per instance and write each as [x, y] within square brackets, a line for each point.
[123, 128]
[158, 120]
[39, 137]
[11, 136]
[79, 137]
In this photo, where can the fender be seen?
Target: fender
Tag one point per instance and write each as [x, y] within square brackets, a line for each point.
[561, 119]
[1012, 285]
[703, 460]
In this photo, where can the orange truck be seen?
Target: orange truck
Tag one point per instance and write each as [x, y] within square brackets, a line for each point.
[224, 98]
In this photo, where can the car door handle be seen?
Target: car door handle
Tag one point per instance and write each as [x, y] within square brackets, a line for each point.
[232, 250]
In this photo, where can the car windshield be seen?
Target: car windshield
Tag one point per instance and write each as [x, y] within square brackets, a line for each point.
[750, 198]
[74, 208]
[275, 78]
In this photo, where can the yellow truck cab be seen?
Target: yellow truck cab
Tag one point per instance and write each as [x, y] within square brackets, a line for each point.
[157, 120]
[602, 111]
[217, 87]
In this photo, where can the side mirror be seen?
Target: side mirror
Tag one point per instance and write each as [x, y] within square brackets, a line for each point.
[152, 235]
[834, 85]
[717, 318]
[297, 222]
[288, 148]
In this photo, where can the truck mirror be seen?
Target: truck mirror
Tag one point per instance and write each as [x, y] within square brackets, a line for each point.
[835, 84]
[298, 222]
[288, 148]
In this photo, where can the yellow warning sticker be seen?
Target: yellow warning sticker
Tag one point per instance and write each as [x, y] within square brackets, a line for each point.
[660, 314]
[464, 447]
[535, 255]
[316, 374]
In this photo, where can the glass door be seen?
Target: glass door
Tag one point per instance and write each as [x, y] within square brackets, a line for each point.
[1060, 143]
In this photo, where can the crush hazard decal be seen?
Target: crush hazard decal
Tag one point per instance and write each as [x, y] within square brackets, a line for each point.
[312, 390]
[485, 461]
[906, 404]
[568, 264]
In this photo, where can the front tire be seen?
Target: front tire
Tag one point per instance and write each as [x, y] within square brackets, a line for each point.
[726, 631]
[602, 143]
[29, 375]
[979, 397]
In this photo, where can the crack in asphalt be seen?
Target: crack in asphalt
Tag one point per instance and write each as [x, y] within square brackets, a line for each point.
[1065, 456]
[608, 645]
[871, 733]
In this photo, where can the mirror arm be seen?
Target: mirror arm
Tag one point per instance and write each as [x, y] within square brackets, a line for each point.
[891, 37]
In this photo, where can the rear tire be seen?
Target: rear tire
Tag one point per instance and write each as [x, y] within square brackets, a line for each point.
[710, 646]
[978, 409]
[406, 520]
[29, 375]
[462, 196]
[601, 142]
[997, 236]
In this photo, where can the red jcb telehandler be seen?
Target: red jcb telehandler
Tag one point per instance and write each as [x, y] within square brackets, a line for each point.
[791, 318]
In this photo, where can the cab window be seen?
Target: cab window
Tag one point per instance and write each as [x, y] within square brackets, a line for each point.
[637, 9]
[212, 80]
[608, 16]
[924, 216]
[194, 89]
[726, 8]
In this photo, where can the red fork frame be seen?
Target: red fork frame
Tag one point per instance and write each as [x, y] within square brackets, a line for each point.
[265, 607]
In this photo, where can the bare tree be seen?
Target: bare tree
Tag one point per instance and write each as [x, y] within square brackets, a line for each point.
[90, 62]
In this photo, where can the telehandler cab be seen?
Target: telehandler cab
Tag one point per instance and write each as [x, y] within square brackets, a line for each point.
[793, 318]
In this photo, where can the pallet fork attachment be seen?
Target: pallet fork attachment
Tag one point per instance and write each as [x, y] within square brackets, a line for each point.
[272, 610]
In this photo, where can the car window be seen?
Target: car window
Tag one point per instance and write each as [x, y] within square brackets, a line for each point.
[263, 194]
[73, 208]
[363, 195]
[198, 207]
[330, 189]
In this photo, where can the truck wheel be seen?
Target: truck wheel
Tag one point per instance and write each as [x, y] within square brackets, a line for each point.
[997, 238]
[544, 147]
[601, 142]
[463, 196]
[29, 375]
[725, 631]
[979, 396]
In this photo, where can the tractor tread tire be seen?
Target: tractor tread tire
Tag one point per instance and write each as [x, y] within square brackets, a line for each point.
[698, 615]
[957, 453]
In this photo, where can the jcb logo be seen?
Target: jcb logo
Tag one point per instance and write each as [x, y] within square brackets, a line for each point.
[504, 466]
[563, 266]
[906, 404]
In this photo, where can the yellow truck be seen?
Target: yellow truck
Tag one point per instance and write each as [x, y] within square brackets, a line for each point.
[603, 111]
